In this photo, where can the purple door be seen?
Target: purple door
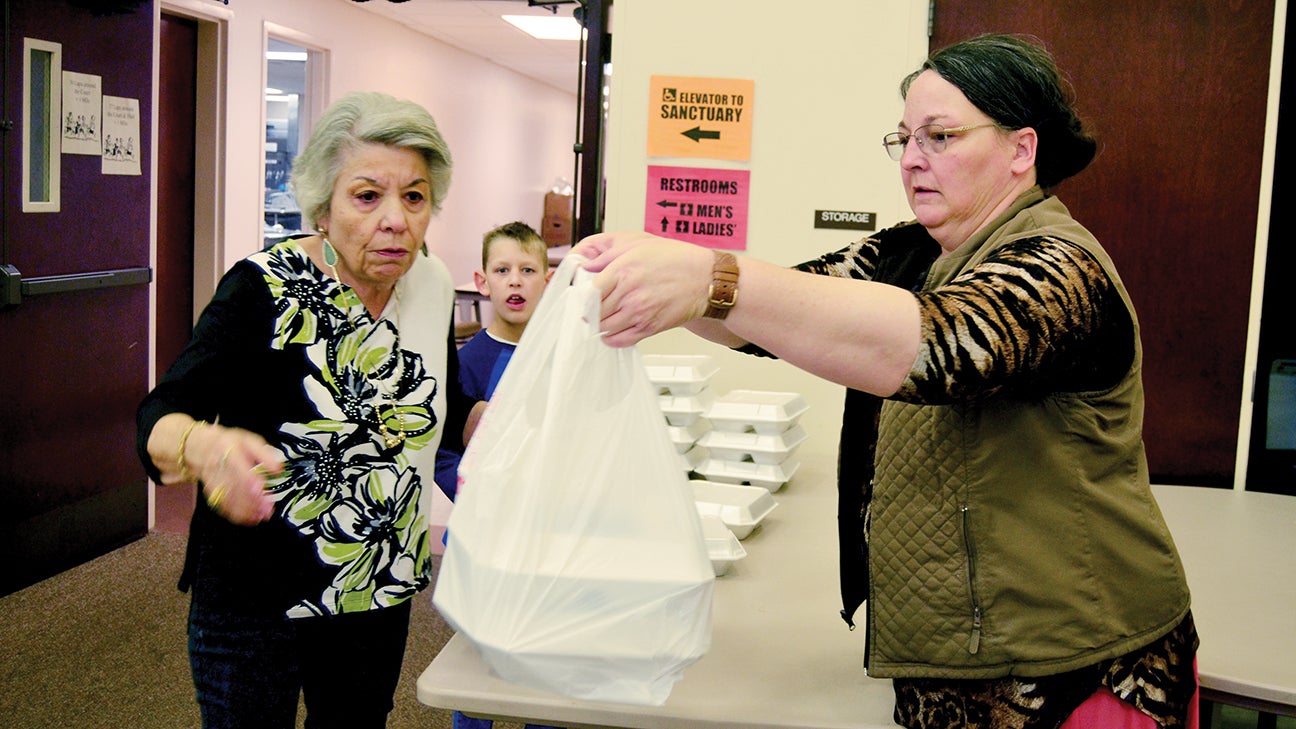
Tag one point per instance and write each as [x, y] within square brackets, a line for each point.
[74, 350]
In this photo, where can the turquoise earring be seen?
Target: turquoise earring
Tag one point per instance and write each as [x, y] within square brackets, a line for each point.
[330, 253]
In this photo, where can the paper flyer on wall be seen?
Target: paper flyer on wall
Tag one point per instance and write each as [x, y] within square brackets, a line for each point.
[121, 136]
[81, 113]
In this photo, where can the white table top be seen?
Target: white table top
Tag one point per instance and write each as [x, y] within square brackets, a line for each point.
[781, 658]
[1239, 550]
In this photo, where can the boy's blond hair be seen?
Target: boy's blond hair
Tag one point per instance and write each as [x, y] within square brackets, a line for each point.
[526, 236]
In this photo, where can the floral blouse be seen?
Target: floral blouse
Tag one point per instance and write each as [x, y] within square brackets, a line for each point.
[357, 406]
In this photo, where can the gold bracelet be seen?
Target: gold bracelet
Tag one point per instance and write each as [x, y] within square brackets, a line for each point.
[185, 474]
[215, 497]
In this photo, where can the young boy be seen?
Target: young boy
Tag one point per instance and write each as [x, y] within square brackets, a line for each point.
[515, 269]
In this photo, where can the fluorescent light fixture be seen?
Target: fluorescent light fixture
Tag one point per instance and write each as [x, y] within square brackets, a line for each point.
[271, 91]
[546, 27]
[285, 55]
[280, 97]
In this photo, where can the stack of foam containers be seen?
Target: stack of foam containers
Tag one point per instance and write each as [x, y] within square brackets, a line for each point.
[753, 438]
[684, 394]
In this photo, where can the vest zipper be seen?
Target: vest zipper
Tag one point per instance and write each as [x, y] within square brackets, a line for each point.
[974, 641]
[868, 607]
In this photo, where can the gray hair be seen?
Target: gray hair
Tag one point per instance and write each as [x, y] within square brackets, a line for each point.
[1015, 81]
[359, 118]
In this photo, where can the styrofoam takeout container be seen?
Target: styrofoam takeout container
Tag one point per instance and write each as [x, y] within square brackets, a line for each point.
[685, 409]
[679, 374]
[756, 411]
[755, 447]
[768, 476]
[722, 546]
[686, 436]
[694, 457]
[741, 508]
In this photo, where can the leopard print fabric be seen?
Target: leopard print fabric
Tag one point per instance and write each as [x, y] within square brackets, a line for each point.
[1158, 679]
[1038, 315]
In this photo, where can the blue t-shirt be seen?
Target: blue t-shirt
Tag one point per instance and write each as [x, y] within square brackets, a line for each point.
[481, 364]
[482, 361]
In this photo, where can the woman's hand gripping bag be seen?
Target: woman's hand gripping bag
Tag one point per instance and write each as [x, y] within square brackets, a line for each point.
[576, 562]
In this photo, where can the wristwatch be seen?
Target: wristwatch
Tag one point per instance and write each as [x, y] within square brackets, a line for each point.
[723, 293]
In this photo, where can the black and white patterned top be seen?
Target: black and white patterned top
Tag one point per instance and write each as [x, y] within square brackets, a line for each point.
[287, 352]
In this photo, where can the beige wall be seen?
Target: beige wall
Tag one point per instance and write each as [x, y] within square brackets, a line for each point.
[826, 90]
[510, 135]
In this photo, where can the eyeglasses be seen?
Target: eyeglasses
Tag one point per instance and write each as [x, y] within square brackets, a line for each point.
[931, 138]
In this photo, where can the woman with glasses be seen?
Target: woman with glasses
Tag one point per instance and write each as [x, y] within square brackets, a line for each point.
[1017, 570]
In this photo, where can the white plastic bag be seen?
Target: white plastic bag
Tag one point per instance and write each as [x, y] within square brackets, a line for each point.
[576, 562]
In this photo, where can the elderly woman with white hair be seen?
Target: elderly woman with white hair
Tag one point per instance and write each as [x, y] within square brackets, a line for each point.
[308, 407]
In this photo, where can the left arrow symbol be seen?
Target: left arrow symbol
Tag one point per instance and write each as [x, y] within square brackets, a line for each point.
[698, 133]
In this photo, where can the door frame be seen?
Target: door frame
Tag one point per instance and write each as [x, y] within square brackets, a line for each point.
[209, 165]
[1251, 361]
[209, 153]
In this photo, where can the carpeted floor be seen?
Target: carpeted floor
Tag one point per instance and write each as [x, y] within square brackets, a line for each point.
[102, 646]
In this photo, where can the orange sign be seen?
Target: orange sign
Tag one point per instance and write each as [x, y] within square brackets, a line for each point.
[700, 117]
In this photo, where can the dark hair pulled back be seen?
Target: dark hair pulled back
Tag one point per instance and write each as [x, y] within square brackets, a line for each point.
[1016, 82]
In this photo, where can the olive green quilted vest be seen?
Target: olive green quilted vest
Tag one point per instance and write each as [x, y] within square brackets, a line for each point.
[1017, 537]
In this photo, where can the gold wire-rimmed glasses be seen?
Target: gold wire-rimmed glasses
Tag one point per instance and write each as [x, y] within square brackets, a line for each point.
[931, 138]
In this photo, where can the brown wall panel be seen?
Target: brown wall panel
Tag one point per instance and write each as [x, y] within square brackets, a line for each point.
[1176, 92]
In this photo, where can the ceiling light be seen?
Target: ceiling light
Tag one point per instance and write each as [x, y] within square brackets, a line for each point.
[285, 55]
[545, 27]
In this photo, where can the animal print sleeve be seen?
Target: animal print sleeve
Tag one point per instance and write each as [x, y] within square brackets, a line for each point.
[857, 260]
[1040, 315]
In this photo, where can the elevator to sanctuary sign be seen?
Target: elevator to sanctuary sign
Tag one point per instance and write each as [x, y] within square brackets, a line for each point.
[709, 118]
[696, 205]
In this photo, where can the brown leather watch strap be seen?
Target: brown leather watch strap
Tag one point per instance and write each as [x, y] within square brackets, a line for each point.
[723, 293]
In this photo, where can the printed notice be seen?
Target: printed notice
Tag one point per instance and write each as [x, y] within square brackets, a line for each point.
[81, 109]
[703, 206]
[845, 220]
[709, 118]
[121, 136]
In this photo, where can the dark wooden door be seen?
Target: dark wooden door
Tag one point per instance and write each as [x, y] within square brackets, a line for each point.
[1176, 91]
[177, 65]
[74, 362]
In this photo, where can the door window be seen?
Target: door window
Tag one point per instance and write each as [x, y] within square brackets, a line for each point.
[285, 101]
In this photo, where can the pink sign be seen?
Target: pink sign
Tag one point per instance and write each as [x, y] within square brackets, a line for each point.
[698, 205]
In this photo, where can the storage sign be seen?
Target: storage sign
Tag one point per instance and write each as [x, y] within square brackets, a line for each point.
[703, 206]
[845, 220]
[700, 117]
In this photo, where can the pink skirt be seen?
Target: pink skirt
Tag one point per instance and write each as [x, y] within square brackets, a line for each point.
[1104, 711]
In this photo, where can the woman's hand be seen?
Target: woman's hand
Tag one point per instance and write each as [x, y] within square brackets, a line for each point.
[230, 464]
[235, 485]
[649, 284]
